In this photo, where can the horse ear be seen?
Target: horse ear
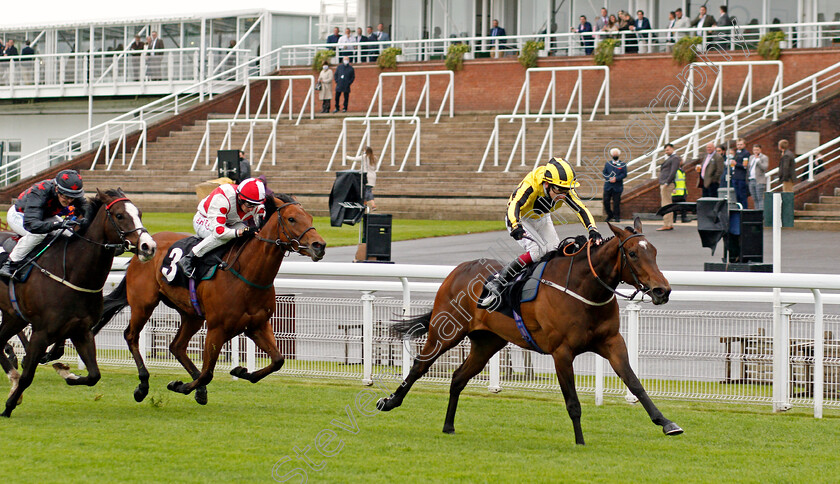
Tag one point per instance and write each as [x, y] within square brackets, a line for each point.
[99, 194]
[637, 225]
[615, 229]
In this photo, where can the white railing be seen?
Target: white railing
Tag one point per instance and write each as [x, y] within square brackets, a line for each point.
[390, 139]
[224, 59]
[577, 90]
[717, 87]
[692, 354]
[810, 89]
[809, 162]
[121, 145]
[692, 145]
[521, 138]
[227, 140]
[288, 97]
[400, 98]
[799, 35]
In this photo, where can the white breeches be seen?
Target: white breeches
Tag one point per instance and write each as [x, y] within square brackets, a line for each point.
[204, 229]
[544, 235]
[27, 241]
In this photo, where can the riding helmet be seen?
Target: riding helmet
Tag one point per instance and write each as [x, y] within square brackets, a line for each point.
[559, 172]
[69, 183]
[252, 191]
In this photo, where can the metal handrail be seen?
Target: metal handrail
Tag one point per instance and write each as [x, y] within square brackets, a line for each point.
[806, 161]
[390, 140]
[548, 138]
[576, 90]
[449, 94]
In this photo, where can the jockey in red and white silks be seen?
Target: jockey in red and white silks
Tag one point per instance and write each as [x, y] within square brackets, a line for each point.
[228, 212]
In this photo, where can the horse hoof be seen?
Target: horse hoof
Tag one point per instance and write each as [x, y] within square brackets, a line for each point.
[671, 429]
[175, 386]
[448, 430]
[140, 393]
[240, 372]
[201, 395]
[6, 414]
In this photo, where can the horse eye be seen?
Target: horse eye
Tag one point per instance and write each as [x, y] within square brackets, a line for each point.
[291, 220]
[633, 254]
[119, 216]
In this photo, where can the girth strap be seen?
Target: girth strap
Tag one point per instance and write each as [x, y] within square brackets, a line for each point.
[13, 299]
[520, 325]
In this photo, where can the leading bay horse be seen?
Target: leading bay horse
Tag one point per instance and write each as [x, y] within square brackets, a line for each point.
[63, 295]
[239, 298]
[564, 324]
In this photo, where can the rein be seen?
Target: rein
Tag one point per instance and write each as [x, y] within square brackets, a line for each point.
[638, 286]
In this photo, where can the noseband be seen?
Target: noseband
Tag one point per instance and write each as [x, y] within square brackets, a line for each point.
[637, 285]
[291, 244]
[124, 244]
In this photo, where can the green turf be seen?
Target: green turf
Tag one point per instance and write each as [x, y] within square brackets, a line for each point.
[100, 434]
[345, 235]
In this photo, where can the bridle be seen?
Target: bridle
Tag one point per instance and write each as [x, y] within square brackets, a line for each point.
[291, 244]
[124, 244]
[637, 285]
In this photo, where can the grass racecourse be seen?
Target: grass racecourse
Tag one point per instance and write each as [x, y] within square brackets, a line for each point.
[402, 229]
[263, 433]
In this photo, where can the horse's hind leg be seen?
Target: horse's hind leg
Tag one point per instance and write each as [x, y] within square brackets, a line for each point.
[86, 348]
[216, 338]
[37, 347]
[8, 328]
[563, 359]
[189, 327]
[264, 338]
[615, 351]
[435, 346]
[484, 345]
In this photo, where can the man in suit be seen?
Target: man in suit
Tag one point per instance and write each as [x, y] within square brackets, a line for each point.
[381, 36]
[724, 20]
[585, 31]
[137, 48]
[710, 167]
[27, 62]
[703, 20]
[642, 23]
[155, 58]
[344, 76]
[681, 23]
[602, 21]
[333, 39]
[787, 169]
[497, 31]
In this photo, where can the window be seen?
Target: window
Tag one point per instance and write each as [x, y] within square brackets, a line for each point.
[63, 152]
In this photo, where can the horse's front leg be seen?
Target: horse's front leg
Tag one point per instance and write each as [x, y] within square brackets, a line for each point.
[615, 351]
[563, 358]
[86, 348]
[216, 338]
[37, 347]
[264, 338]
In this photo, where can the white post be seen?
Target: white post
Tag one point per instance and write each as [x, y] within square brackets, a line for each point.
[633, 310]
[599, 380]
[367, 337]
[250, 355]
[406, 355]
[494, 385]
[234, 354]
[143, 345]
[780, 363]
[819, 354]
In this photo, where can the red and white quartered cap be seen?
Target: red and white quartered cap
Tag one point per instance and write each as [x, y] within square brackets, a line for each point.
[252, 191]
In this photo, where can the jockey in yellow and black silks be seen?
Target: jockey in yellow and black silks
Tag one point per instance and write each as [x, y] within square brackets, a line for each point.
[529, 221]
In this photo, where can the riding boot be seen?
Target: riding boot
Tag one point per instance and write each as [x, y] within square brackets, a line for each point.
[185, 263]
[500, 280]
[9, 268]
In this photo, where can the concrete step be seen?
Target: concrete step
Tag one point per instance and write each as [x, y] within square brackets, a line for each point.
[817, 214]
[825, 225]
[822, 207]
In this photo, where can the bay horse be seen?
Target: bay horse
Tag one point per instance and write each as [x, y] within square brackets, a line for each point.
[239, 298]
[63, 295]
[563, 323]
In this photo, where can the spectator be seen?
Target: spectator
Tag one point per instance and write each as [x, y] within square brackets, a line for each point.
[667, 175]
[703, 21]
[325, 80]
[726, 176]
[628, 38]
[757, 180]
[682, 23]
[602, 20]
[9, 51]
[368, 162]
[28, 62]
[231, 60]
[586, 39]
[345, 44]
[642, 23]
[497, 44]
[739, 172]
[370, 50]
[671, 37]
[137, 51]
[612, 26]
[358, 37]
[679, 194]
[244, 167]
[614, 173]
[787, 170]
[710, 166]
[333, 39]
[381, 36]
[724, 20]
[344, 76]
[155, 59]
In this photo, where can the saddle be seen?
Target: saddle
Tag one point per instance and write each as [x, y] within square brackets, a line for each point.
[6, 248]
[205, 267]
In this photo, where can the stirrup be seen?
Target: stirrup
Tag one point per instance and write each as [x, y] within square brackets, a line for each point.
[186, 267]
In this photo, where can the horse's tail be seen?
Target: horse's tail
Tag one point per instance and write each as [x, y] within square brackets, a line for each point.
[412, 327]
[113, 303]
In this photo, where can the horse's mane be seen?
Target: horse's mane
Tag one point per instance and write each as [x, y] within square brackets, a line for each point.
[90, 207]
[558, 251]
[271, 203]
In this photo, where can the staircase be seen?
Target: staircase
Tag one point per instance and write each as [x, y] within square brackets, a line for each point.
[444, 186]
[823, 215]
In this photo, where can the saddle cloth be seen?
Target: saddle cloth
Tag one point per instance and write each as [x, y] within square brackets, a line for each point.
[523, 289]
[205, 267]
[8, 246]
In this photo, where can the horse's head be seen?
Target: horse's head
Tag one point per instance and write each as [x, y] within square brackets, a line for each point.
[638, 263]
[294, 227]
[124, 224]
